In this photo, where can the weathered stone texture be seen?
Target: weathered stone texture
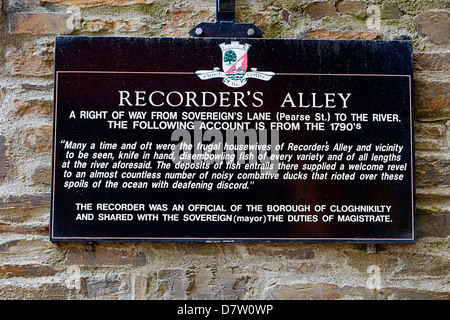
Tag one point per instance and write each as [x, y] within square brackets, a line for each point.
[342, 35]
[26, 201]
[39, 23]
[42, 107]
[27, 271]
[3, 158]
[42, 175]
[39, 139]
[173, 284]
[432, 99]
[34, 59]
[28, 65]
[321, 9]
[309, 291]
[95, 3]
[181, 20]
[435, 26]
[101, 287]
[390, 11]
[356, 8]
[47, 291]
[97, 256]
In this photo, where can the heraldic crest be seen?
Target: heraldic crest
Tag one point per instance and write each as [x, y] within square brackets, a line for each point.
[235, 66]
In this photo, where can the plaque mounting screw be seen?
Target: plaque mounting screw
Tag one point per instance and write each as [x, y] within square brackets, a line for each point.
[198, 31]
[89, 247]
[251, 32]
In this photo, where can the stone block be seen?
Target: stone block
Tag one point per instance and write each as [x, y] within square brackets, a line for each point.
[173, 284]
[4, 161]
[41, 23]
[354, 8]
[96, 3]
[432, 170]
[431, 99]
[342, 35]
[42, 175]
[45, 291]
[100, 287]
[41, 107]
[321, 9]
[434, 25]
[390, 11]
[431, 61]
[308, 291]
[39, 139]
[27, 201]
[26, 271]
[30, 61]
[100, 256]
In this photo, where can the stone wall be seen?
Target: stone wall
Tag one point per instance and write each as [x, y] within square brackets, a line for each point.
[32, 267]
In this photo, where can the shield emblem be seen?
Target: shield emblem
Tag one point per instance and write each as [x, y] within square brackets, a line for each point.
[235, 59]
[235, 66]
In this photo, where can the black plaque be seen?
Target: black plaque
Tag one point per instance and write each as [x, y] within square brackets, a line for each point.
[159, 139]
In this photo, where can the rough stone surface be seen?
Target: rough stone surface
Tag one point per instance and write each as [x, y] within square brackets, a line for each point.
[39, 139]
[356, 8]
[342, 35]
[435, 26]
[95, 3]
[319, 10]
[40, 23]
